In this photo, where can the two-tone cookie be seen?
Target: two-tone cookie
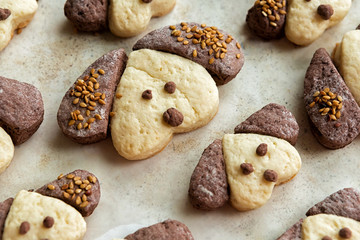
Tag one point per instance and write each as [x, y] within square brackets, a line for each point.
[249, 164]
[14, 14]
[302, 21]
[168, 86]
[336, 217]
[22, 109]
[55, 211]
[124, 18]
[334, 115]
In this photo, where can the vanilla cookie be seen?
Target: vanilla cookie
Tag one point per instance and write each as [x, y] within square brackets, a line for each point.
[254, 165]
[128, 18]
[307, 20]
[347, 60]
[34, 216]
[6, 150]
[14, 14]
[159, 94]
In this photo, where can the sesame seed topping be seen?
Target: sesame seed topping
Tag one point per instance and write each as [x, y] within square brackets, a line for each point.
[329, 103]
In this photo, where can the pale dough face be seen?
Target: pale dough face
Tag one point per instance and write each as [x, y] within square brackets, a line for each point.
[6, 150]
[252, 191]
[321, 225]
[304, 25]
[33, 208]
[347, 59]
[22, 12]
[131, 17]
[138, 130]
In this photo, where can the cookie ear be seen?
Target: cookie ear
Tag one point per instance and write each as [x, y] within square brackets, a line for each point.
[87, 16]
[130, 18]
[19, 118]
[267, 22]
[83, 114]
[333, 113]
[293, 233]
[79, 189]
[15, 14]
[34, 216]
[169, 229]
[4, 210]
[306, 20]
[273, 120]
[217, 51]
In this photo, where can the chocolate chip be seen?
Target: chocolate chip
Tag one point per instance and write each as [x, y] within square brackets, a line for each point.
[358, 27]
[24, 227]
[147, 1]
[173, 117]
[4, 13]
[147, 94]
[88, 192]
[246, 168]
[326, 238]
[325, 11]
[270, 175]
[345, 233]
[48, 222]
[337, 125]
[170, 87]
[261, 150]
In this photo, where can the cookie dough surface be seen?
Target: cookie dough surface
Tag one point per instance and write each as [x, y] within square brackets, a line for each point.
[304, 25]
[6, 150]
[347, 59]
[34, 208]
[321, 225]
[252, 191]
[22, 12]
[138, 130]
[131, 17]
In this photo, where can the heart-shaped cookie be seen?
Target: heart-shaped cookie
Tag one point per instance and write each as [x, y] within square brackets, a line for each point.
[307, 20]
[254, 165]
[347, 60]
[34, 216]
[159, 94]
[14, 14]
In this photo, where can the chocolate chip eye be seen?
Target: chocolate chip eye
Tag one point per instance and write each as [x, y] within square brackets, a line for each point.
[270, 175]
[24, 227]
[4, 13]
[261, 150]
[246, 168]
[326, 238]
[345, 233]
[147, 94]
[170, 87]
[48, 222]
[147, 1]
[325, 11]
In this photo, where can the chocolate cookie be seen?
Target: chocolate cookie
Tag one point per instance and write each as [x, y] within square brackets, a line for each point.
[83, 114]
[333, 112]
[169, 229]
[267, 21]
[87, 15]
[214, 49]
[79, 189]
[274, 120]
[4, 210]
[22, 109]
[208, 185]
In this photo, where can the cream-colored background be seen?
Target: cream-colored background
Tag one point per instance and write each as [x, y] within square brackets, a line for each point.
[51, 56]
